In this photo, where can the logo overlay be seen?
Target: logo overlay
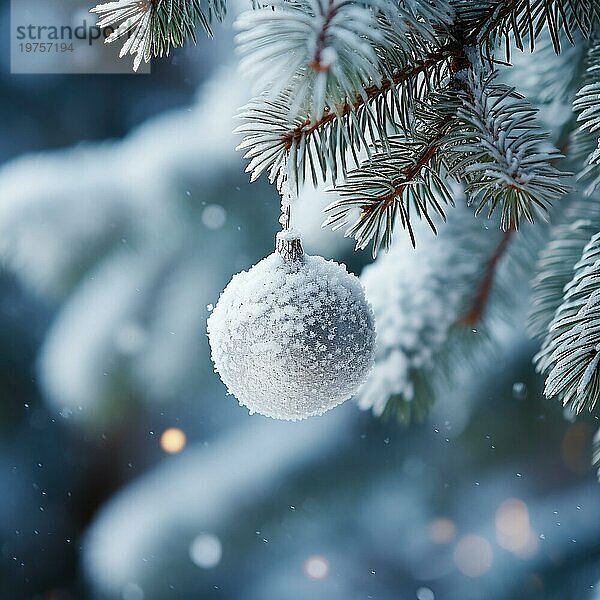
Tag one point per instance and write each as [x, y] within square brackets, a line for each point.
[61, 36]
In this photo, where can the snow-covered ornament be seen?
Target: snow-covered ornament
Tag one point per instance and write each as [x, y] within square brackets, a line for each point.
[294, 336]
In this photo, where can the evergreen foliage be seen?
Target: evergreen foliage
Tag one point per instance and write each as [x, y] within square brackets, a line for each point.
[571, 352]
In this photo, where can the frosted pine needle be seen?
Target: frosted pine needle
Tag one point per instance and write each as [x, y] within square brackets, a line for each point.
[153, 27]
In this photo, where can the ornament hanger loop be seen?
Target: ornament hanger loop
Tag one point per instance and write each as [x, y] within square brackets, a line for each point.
[287, 244]
[284, 186]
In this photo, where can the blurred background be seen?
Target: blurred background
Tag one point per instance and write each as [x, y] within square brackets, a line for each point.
[125, 470]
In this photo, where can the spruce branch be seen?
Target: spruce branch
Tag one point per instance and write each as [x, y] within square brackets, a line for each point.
[407, 179]
[319, 146]
[587, 104]
[403, 77]
[412, 406]
[557, 260]
[570, 355]
[484, 288]
[323, 52]
[501, 153]
[484, 134]
[153, 27]
[419, 297]
[522, 21]
[319, 137]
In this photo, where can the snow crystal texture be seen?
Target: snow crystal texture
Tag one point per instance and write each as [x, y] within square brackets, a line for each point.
[291, 340]
[417, 296]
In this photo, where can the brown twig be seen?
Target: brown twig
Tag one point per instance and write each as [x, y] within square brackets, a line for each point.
[482, 294]
[400, 183]
[308, 127]
[450, 50]
[317, 61]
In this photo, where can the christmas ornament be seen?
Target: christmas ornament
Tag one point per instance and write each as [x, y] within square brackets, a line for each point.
[294, 336]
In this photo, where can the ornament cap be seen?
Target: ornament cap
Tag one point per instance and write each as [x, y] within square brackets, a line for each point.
[289, 245]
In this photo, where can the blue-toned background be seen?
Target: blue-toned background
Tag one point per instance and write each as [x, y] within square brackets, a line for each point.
[126, 472]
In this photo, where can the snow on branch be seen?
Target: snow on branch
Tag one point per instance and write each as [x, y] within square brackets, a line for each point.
[405, 181]
[419, 297]
[320, 116]
[320, 147]
[570, 355]
[558, 259]
[319, 113]
[587, 104]
[501, 153]
[325, 53]
[476, 131]
[153, 27]
[522, 21]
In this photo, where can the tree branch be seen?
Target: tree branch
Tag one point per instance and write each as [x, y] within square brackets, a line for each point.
[317, 62]
[449, 50]
[482, 294]
[400, 183]
[308, 127]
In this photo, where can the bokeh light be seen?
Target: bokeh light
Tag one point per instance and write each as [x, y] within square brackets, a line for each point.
[473, 555]
[214, 216]
[442, 530]
[206, 551]
[316, 567]
[132, 591]
[424, 593]
[513, 529]
[173, 440]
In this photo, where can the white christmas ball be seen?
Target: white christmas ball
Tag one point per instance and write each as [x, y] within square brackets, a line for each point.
[292, 339]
